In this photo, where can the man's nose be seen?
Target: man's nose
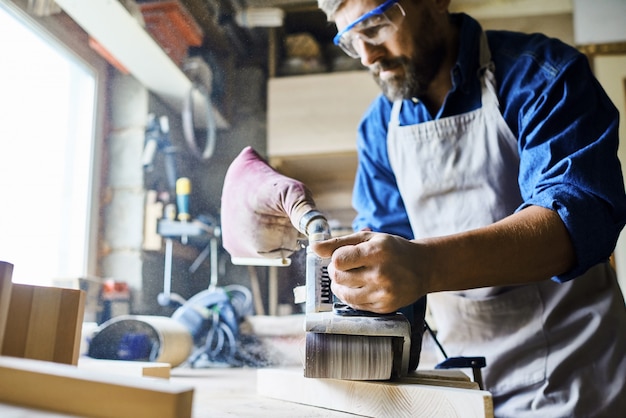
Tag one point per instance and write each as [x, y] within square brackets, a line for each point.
[369, 53]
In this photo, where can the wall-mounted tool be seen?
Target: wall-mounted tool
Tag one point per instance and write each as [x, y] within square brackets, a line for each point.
[201, 78]
[171, 229]
[183, 189]
[157, 140]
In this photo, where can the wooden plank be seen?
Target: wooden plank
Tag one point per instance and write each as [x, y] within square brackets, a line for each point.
[443, 376]
[126, 368]
[69, 326]
[377, 399]
[18, 320]
[44, 323]
[6, 273]
[323, 115]
[516, 9]
[67, 389]
[14, 411]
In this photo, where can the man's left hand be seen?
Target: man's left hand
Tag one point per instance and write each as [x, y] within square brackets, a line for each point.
[374, 272]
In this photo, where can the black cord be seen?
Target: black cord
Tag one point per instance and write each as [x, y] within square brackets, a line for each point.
[432, 334]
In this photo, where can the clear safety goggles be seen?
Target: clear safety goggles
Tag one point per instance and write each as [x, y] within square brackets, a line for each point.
[374, 28]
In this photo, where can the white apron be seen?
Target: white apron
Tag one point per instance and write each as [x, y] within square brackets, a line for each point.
[551, 349]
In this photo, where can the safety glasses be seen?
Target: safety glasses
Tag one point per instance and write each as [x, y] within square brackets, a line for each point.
[374, 28]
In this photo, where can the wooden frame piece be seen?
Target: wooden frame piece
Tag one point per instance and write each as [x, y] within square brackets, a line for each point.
[6, 274]
[126, 368]
[67, 389]
[413, 396]
[44, 323]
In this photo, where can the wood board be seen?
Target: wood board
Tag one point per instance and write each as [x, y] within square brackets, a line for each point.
[126, 368]
[6, 274]
[44, 323]
[415, 395]
[67, 389]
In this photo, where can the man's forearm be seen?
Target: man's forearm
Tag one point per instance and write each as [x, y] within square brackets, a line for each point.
[528, 246]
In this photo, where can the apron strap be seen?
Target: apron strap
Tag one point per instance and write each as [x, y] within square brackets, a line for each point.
[486, 74]
[394, 119]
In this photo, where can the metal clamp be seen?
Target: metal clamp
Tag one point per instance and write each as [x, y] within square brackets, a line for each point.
[475, 363]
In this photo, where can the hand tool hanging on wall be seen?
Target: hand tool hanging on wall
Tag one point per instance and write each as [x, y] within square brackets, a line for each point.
[264, 214]
[158, 141]
[176, 201]
[199, 96]
[183, 227]
[183, 190]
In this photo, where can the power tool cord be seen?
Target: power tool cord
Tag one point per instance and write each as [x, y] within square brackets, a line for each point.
[432, 334]
[213, 318]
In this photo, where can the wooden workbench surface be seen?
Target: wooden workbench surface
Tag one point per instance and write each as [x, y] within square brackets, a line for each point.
[232, 392]
[219, 392]
[225, 392]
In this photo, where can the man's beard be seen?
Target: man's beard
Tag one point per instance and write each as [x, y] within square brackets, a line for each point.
[416, 78]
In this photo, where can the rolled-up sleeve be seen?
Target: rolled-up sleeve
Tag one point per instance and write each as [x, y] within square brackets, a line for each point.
[568, 140]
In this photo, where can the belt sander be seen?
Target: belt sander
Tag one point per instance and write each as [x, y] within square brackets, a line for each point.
[341, 342]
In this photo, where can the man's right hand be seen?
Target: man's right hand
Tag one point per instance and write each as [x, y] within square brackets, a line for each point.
[261, 209]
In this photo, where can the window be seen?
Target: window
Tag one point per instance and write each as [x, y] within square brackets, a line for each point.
[47, 103]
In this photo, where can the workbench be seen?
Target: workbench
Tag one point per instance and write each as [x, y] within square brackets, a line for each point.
[45, 370]
[233, 392]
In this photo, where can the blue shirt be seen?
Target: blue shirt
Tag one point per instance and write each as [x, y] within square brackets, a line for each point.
[567, 132]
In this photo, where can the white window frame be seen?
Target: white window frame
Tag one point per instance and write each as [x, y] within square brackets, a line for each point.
[72, 39]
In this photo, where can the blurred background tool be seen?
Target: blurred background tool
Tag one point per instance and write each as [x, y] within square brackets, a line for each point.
[157, 141]
[183, 189]
[142, 338]
[201, 228]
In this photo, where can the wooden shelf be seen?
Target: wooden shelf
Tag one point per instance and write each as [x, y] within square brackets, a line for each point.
[109, 23]
[318, 113]
[312, 129]
[172, 26]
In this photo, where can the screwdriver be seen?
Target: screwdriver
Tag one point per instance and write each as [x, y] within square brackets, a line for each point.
[183, 189]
